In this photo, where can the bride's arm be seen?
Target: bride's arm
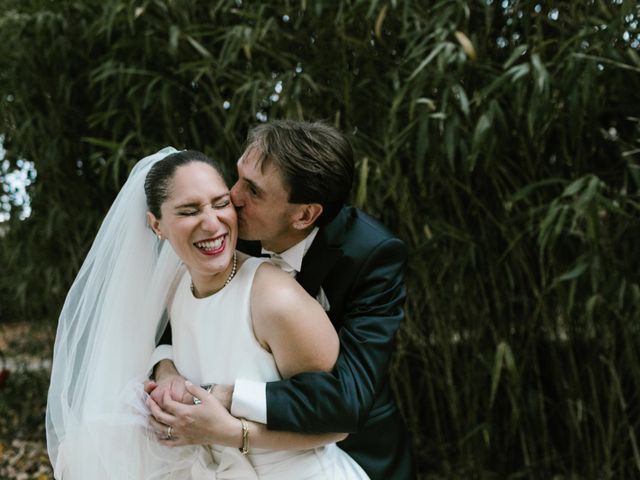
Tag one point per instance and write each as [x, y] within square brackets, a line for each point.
[291, 325]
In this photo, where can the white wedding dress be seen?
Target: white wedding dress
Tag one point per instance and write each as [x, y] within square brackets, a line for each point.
[213, 342]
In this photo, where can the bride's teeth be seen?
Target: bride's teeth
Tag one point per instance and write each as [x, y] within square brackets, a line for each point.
[211, 245]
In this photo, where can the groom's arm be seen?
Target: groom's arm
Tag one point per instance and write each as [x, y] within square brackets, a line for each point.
[340, 401]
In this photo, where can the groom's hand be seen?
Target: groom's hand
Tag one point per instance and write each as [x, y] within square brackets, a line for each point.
[224, 394]
[168, 382]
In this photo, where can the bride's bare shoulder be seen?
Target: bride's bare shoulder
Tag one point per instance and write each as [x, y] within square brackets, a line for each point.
[271, 281]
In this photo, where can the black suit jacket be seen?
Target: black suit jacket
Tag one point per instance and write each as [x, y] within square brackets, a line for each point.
[360, 266]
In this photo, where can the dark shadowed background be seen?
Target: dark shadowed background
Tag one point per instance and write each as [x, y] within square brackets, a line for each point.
[499, 139]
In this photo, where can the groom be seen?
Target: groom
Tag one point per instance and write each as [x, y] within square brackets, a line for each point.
[351, 264]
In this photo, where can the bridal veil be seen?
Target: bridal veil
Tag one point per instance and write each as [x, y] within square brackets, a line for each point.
[96, 416]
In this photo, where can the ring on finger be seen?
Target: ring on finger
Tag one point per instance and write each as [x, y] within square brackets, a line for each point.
[169, 432]
[208, 388]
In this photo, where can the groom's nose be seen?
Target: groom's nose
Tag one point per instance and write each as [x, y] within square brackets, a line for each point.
[236, 196]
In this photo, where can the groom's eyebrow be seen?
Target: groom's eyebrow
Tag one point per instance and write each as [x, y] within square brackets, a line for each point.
[253, 185]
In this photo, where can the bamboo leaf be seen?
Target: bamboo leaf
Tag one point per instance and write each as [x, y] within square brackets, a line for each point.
[361, 195]
[380, 20]
[541, 75]
[462, 99]
[199, 47]
[483, 127]
[427, 60]
[503, 359]
[467, 45]
[532, 187]
[174, 38]
[574, 273]
[518, 52]
[574, 187]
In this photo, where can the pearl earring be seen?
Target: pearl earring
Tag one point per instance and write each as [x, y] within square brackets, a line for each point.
[159, 236]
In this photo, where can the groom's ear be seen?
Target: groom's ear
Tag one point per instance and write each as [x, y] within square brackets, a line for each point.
[307, 215]
[153, 223]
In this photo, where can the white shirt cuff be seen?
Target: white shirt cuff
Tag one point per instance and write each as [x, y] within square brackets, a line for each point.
[162, 352]
[250, 400]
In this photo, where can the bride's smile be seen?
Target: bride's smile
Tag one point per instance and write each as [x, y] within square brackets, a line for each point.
[211, 246]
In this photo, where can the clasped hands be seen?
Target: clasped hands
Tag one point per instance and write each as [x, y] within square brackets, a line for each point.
[171, 402]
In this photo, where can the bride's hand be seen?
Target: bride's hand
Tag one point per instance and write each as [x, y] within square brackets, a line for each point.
[206, 423]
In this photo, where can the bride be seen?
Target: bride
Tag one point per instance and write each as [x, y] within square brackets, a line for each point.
[231, 316]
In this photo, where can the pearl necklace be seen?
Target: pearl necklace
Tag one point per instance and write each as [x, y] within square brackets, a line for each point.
[231, 275]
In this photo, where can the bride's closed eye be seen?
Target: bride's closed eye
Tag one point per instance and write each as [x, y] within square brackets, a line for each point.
[187, 213]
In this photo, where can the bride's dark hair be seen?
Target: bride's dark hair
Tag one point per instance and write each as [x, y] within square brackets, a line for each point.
[156, 183]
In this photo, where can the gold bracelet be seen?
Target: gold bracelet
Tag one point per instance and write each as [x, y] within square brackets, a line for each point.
[245, 437]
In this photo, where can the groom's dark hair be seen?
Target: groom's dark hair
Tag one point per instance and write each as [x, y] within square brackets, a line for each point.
[314, 158]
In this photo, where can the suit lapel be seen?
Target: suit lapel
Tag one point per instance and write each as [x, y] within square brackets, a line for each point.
[322, 255]
[317, 263]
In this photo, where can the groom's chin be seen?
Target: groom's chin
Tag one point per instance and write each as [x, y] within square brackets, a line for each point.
[245, 234]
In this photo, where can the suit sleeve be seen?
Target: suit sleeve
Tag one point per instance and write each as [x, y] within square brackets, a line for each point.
[340, 401]
[166, 338]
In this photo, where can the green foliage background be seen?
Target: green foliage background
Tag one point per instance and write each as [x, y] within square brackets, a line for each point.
[500, 140]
